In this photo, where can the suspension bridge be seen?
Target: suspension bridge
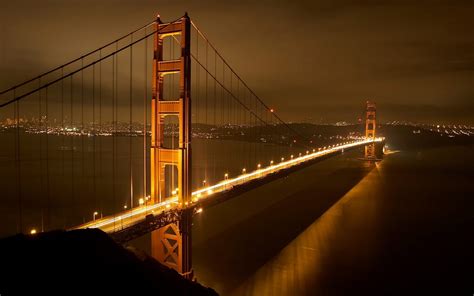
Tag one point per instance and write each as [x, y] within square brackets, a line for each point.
[104, 141]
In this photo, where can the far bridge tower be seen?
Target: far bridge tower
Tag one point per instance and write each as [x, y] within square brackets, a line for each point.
[370, 124]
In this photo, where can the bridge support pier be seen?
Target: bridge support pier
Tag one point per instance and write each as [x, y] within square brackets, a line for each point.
[171, 166]
[171, 245]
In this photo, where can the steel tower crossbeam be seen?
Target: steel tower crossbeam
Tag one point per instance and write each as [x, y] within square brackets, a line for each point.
[171, 244]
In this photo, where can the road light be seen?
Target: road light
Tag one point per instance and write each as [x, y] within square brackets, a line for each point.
[282, 159]
[33, 231]
[125, 207]
[258, 166]
[226, 176]
[203, 183]
[244, 171]
[141, 201]
[271, 162]
[93, 215]
[291, 156]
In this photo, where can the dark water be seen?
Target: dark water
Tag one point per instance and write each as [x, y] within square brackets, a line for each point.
[339, 227]
[63, 180]
[344, 227]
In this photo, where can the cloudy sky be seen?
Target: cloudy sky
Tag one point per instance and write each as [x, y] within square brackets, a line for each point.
[314, 60]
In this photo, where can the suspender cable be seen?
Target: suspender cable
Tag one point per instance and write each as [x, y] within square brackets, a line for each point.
[93, 132]
[16, 111]
[114, 124]
[130, 121]
[62, 135]
[101, 208]
[82, 129]
[77, 59]
[72, 146]
[40, 118]
[257, 98]
[117, 50]
[145, 97]
[205, 116]
[48, 192]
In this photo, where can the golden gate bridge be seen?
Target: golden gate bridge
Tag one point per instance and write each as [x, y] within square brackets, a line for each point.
[145, 98]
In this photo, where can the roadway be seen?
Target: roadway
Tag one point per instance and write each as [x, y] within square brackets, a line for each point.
[133, 216]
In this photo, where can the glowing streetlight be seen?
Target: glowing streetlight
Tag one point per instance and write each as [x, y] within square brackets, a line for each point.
[125, 207]
[271, 162]
[141, 201]
[33, 231]
[203, 183]
[271, 110]
[226, 176]
[244, 171]
[291, 156]
[282, 159]
[93, 215]
[258, 166]
[199, 211]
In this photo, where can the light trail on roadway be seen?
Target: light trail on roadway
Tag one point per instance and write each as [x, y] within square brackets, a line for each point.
[130, 217]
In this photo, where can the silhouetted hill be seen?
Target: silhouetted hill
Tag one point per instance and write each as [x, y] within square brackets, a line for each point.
[86, 262]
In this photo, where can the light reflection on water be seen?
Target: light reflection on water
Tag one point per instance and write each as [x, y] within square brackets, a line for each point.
[298, 268]
[402, 226]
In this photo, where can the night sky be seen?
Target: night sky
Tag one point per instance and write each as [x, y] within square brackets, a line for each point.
[313, 60]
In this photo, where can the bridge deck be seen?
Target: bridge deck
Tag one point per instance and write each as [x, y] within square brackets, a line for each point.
[171, 207]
